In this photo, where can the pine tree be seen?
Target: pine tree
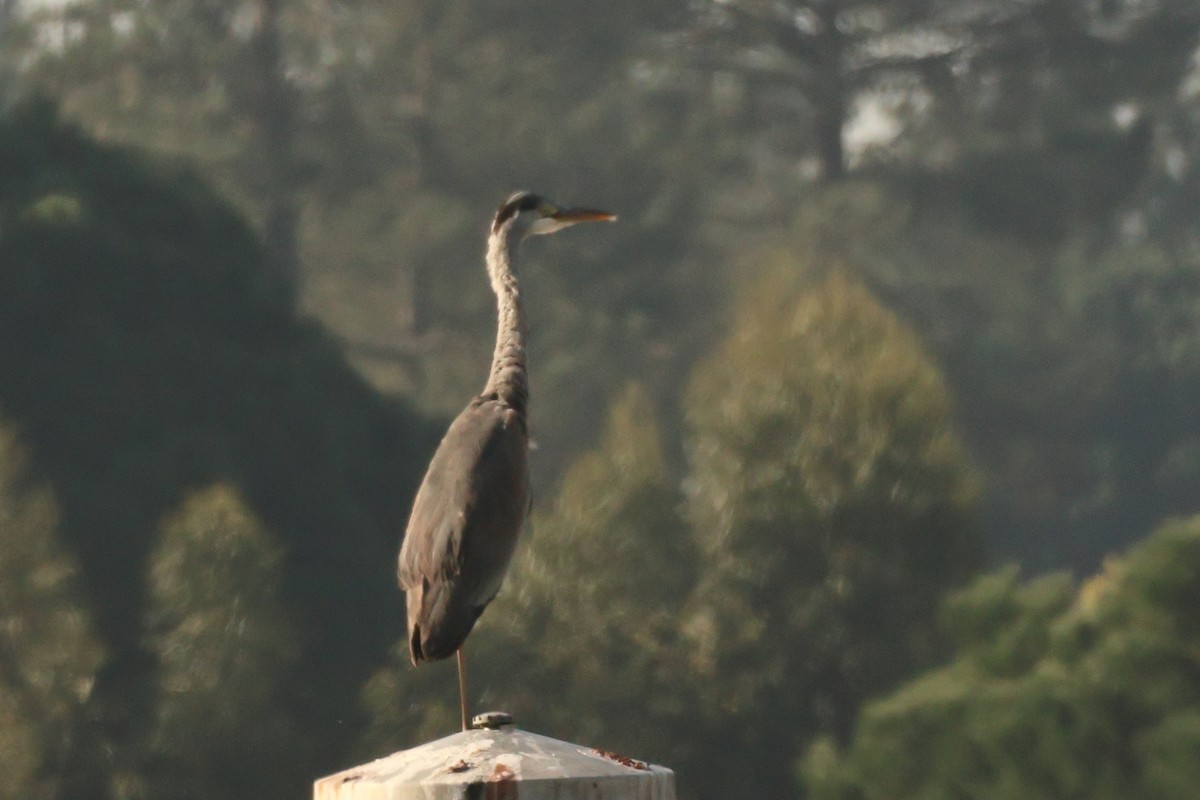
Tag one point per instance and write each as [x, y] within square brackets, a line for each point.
[832, 501]
[226, 646]
[49, 654]
[1057, 690]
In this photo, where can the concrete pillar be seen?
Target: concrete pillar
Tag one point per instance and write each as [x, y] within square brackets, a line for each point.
[500, 762]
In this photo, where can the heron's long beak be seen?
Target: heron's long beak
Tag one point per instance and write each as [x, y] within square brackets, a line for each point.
[569, 216]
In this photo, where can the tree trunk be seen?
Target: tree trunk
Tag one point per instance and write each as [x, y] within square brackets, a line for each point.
[274, 111]
[829, 95]
[831, 155]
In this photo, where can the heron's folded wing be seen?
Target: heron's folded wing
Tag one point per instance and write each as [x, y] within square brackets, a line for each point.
[471, 505]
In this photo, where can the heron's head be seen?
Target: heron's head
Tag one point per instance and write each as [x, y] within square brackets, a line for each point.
[529, 214]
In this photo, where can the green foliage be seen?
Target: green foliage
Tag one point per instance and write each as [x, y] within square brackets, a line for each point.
[804, 65]
[830, 506]
[1005, 132]
[1056, 692]
[832, 501]
[1070, 363]
[409, 122]
[1059, 143]
[502, 97]
[49, 653]
[1032, 193]
[1027, 205]
[142, 357]
[999, 625]
[614, 535]
[226, 646]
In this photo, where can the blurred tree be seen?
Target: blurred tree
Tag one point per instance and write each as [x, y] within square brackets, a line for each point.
[223, 83]
[143, 355]
[49, 654]
[606, 573]
[813, 61]
[1169, 198]
[1038, 116]
[1139, 304]
[832, 501]
[1053, 124]
[226, 648]
[12, 31]
[993, 310]
[407, 122]
[997, 154]
[1055, 692]
[1070, 361]
[589, 616]
[496, 97]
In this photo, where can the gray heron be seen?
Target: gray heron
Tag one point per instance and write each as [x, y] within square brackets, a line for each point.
[472, 503]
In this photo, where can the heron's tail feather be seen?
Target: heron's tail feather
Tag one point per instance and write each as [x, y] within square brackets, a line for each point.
[439, 620]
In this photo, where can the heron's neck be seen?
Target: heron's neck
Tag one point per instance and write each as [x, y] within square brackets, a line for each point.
[508, 378]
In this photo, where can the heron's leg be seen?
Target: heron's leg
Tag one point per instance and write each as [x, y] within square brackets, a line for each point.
[462, 685]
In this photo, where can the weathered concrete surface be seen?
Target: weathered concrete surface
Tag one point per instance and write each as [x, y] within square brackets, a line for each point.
[504, 764]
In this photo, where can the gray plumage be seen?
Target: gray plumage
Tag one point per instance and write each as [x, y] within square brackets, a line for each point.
[466, 518]
[471, 506]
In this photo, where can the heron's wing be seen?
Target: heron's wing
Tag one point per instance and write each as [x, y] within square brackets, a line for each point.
[469, 510]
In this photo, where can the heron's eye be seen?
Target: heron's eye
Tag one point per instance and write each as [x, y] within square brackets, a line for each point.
[547, 210]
